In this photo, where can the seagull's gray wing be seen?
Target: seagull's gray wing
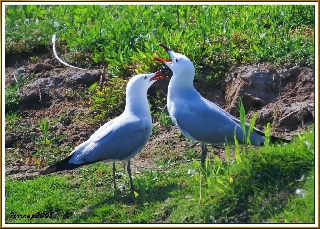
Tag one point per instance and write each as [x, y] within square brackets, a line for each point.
[204, 121]
[231, 116]
[120, 140]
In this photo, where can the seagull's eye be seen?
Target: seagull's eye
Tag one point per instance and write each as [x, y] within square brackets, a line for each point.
[145, 77]
[176, 59]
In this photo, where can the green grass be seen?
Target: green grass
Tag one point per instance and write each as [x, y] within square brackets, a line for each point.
[301, 207]
[108, 100]
[11, 118]
[254, 189]
[215, 37]
[259, 188]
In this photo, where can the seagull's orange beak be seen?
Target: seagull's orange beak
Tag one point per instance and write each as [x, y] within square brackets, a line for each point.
[157, 76]
[161, 59]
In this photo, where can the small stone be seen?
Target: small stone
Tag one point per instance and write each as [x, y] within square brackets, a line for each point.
[191, 172]
[300, 192]
[212, 219]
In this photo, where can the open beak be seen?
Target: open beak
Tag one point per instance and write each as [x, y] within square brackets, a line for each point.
[166, 62]
[163, 60]
[157, 76]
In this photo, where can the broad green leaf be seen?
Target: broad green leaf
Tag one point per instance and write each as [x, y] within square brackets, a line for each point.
[92, 87]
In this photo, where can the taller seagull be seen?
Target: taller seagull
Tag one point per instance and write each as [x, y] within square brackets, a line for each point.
[196, 117]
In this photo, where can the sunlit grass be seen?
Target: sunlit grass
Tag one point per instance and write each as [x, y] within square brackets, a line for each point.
[215, 37]
[260, 188]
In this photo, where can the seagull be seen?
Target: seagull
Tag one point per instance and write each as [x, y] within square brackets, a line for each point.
[196, 117]
[120, 138]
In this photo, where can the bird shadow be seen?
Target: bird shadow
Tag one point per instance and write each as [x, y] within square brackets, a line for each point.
[153, 194]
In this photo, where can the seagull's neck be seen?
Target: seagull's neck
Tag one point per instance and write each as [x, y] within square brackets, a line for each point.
[137, 103]
[179, 83]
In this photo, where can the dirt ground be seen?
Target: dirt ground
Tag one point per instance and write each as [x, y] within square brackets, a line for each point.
[284, 97]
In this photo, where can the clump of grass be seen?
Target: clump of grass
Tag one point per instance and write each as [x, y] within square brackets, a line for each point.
[11, 94]
[163, 118]
[48, 142]
[257, 187]
[301, 206]
[44, 126]
[11, 99]
[11, 118]
[108, 100]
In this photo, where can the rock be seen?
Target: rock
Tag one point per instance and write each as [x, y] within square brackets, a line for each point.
[284, 98]
[81, 77]
[38, 91]
[21, 71]
[49, 88]
[255, 84]
[11, 139]
[297, 114]
[41, 67]
[49, 61]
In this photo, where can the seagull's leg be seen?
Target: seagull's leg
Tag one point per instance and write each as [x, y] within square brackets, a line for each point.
[114, 176]
[203, 153]
[129, 172]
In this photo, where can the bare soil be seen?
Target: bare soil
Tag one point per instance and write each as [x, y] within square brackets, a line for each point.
[284, 97]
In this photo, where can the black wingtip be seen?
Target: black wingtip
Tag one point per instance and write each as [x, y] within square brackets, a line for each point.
[51, 169]
[60, 166]
[274, 140]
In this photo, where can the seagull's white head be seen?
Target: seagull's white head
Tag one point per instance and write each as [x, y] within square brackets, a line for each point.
[179, 64]
[136, 92]
[142, 82]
